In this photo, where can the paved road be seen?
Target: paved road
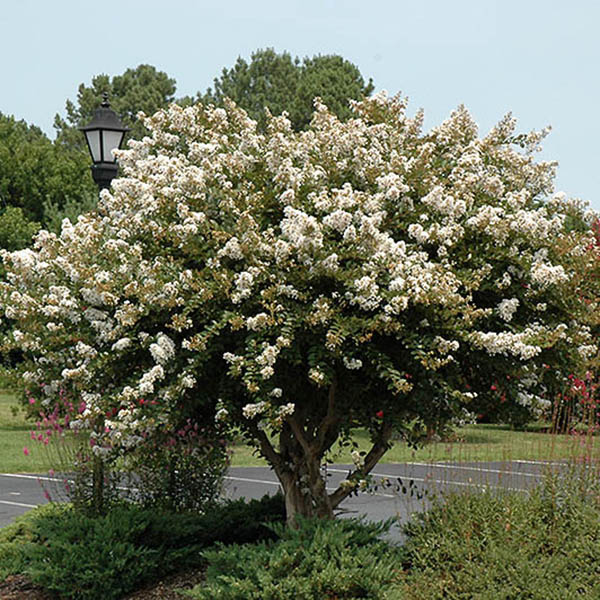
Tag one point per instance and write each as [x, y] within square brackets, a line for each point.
[19, 493]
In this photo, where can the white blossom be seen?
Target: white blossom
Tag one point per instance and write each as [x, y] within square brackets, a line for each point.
[507, 308]
[352, 363]
[251, 411]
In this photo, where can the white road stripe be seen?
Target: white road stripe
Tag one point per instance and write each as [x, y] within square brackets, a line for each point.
[253, 480]
[542, 463]
[19, 504]
[441, 481]
[331, 489]
[36, 477]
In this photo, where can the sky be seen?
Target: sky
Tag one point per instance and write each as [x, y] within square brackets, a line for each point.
[538, 59]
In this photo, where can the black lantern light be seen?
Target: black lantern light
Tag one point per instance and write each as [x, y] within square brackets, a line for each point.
[104, 134]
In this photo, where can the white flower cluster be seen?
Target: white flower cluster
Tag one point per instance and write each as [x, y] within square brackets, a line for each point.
[445, 346]
[286, 409]
[244, 282]
[587, 350]
[163, 350]
[121, 344]
[357, 459]
[251, 411]
[232, 249]
[506, 343]
[507, 308]
[148, 379]
[545, 274]
[266, 359]
[257, 321]
[536, 405]
[352, 363]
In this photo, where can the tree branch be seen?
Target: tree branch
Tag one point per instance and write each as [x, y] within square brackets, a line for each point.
[265, 445]
[299, 434]
[329, 420]
[379, 448]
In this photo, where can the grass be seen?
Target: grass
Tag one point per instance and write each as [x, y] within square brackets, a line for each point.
[14, 437]
[480, 442]
[473, 443]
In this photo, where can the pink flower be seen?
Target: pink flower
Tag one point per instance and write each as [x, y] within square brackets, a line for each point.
[26, 451]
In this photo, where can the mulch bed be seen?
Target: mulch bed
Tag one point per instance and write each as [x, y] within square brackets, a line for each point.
[18, 587]
[165, 589]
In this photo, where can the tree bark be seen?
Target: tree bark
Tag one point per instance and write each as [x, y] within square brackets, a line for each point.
[304, 486]
[304, 490]
[304, 440]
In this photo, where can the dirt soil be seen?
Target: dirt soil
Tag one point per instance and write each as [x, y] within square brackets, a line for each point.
[18, 587]
[165, 589]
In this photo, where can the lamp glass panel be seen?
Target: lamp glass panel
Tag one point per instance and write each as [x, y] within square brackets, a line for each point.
[93, 140]
[112, 140]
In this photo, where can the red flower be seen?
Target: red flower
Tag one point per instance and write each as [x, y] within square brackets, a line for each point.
[379, 414]
[493, 388]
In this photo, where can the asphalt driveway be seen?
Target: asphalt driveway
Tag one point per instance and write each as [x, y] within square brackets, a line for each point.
[410, 485]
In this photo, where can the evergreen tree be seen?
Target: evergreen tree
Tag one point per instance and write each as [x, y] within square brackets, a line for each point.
[280, 83]
[141, 89]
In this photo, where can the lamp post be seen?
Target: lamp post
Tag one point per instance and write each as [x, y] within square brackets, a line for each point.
[104, 134]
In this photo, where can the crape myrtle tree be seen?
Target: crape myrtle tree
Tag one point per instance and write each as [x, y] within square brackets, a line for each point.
[298, 285]
[576, 399]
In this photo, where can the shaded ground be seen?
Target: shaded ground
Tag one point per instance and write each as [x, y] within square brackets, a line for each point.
[18, 587]
[165, 589]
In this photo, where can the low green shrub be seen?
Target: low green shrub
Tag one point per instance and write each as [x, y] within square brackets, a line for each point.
[13, 539]
[510, 546]
[339, 559]
[90, 558]
[182, 470]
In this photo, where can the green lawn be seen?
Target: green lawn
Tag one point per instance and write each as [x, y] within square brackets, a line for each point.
[14, 437]
[474, 443]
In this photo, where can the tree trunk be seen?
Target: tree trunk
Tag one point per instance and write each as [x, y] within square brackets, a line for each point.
[98, 486]
[303, 442]
[303, 485]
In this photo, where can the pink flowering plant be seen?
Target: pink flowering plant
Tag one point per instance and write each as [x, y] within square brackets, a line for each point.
[294, 286]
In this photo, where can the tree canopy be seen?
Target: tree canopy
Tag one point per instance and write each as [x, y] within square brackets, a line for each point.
[297, 285]
[282, 83]
[33, 171]
[141, 89]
